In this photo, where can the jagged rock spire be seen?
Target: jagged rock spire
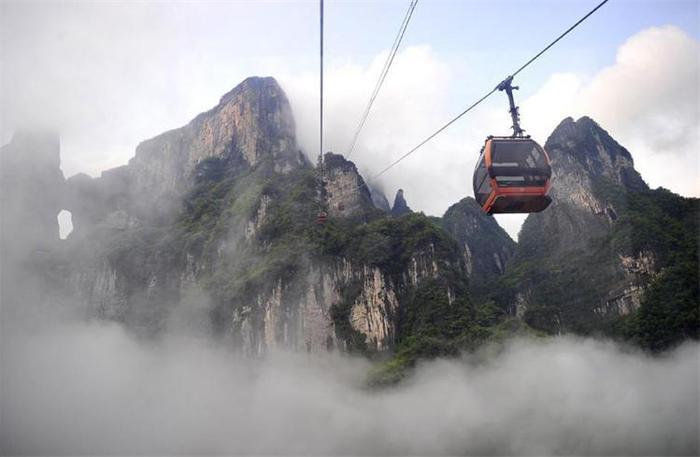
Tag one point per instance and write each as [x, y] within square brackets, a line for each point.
[584, 146]
[400, 206]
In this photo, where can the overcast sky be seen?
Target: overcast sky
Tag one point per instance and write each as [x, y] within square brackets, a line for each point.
[108, 75]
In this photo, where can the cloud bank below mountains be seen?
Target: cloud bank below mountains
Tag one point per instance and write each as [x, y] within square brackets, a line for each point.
[93, 389]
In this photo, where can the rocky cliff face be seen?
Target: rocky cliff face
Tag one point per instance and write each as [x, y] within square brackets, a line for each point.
[135, 265]
[583, 157]
[251, 123]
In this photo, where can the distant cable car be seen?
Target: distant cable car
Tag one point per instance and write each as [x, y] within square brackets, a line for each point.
[513, 173]
[321, 217]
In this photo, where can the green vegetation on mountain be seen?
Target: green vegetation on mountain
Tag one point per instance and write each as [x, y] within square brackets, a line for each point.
[486, 246]
[218, 213]
[668, 225]
[654, 224]
[429, 322]
[668, 314]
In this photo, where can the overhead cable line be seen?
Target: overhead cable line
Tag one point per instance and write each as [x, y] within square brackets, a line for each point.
[320, 140]
[473, 105]
[382, 76]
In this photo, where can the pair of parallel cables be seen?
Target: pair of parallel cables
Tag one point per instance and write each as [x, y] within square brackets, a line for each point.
[382, 75]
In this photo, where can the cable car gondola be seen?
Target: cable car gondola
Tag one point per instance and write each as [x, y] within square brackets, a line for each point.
[513, 173]
[512, 176]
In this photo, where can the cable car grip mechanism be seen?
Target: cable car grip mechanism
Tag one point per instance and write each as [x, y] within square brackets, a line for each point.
[505, 85]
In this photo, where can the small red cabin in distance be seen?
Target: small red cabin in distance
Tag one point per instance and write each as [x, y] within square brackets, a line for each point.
[512, 175]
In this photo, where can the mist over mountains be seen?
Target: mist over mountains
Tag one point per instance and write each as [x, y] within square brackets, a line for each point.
[93, 389]
[205, 253]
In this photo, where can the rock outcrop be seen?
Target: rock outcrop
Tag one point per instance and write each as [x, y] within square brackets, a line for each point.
[400, 207]
[345, 192]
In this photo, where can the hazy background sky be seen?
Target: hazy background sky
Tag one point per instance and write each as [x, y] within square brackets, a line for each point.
[108, 75]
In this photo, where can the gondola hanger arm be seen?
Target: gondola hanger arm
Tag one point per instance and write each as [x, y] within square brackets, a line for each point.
[506, 86]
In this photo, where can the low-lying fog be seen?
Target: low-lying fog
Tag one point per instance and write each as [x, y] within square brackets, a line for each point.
[93, 389]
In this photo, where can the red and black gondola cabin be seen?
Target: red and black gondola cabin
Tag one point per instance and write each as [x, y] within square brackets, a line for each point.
[512, 176]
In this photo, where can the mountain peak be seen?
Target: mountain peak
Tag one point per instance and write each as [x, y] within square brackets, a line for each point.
[567, 122]
[266, 85]
[585, 161]
[252, 124]
[584, 146]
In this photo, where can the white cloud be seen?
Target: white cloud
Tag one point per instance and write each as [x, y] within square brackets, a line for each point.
[648, 101]
[414, 92]
[93, 389]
